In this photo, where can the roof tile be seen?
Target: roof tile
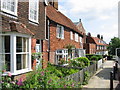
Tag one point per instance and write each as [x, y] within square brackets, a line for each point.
[59, 18]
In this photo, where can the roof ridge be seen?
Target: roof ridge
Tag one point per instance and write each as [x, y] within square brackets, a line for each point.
[60, 18]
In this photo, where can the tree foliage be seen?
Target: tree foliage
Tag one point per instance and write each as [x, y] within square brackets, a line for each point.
[69, 47]
[114, 43]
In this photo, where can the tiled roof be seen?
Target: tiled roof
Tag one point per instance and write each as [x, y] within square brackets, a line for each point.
[80, 27]
[19, 27]
[59, 18]
[96, 40]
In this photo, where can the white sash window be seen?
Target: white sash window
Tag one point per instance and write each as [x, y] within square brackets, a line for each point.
[76, 37]
[9, 6]
[60, 31]
[33, 10]
[16, 53]
[71, 35]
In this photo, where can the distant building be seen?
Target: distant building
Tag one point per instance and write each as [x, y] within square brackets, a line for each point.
[95, 45]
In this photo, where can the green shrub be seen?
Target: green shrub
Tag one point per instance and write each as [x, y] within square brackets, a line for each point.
[46, 79]
[95, 58]
[86, 77]
[89, 56]
[73, 63]
[99, 57]
[62, 61]
[85, 60]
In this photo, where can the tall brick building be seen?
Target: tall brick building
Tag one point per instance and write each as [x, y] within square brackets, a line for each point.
[23, 32]
[34, 26]
[61, 32]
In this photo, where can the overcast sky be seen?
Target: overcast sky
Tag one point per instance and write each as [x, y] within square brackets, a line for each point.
[98, 16]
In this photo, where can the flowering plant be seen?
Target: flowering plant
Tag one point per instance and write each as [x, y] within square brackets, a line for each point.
[7, 82]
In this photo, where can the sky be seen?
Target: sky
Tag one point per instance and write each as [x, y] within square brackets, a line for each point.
[98, 16]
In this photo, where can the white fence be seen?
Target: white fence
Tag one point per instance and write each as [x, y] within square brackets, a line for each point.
[99, 64]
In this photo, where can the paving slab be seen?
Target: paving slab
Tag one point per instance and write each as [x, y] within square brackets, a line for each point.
[101, 79]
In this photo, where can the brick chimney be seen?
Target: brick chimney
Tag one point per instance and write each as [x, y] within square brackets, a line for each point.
[98, 36]
[89, 34]
[54, 3]
[102, 37]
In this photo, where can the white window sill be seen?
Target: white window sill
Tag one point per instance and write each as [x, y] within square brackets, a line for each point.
[76, 41]
[17, 72]
[60, 38]
[9, 15]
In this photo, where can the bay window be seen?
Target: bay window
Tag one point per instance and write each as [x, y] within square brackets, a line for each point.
[61, 54]
[9, 6]
[16, 53]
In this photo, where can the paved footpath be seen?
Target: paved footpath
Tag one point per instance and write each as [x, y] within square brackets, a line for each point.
[101, 80]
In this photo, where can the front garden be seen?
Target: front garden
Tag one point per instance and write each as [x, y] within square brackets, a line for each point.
[76, 73]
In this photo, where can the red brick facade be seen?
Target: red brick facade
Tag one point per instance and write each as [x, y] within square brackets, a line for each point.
[23, 17]
[56, 43]
[90, 48]
[95, 45]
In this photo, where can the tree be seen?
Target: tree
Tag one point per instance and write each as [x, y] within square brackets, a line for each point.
[114, 43]
[69, 47]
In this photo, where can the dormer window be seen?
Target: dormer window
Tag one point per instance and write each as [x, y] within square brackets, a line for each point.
[9, 6]
[33, 10]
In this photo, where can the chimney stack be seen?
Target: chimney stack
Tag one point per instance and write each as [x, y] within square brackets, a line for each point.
[53, 3]
[89, 34]
[102, 37]
[98, 36]
[79, 20]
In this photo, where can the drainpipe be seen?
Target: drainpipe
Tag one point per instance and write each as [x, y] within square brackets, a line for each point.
[48, 23]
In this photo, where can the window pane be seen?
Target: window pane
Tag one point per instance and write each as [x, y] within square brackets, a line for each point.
[24, 45]
[18, 44]
[24, 61]
[21, 61]
[9, 5]
[18, 61]
[33, 9]
[27, 45]
[7, 44]
[7, 62]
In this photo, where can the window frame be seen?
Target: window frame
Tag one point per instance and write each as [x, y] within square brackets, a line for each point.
[58, 34]
[8, 11]
[80, 39]
[71, 35]
[22, 53]
[76, 37]
[37, 16]
[13, 54]
[63, 53]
